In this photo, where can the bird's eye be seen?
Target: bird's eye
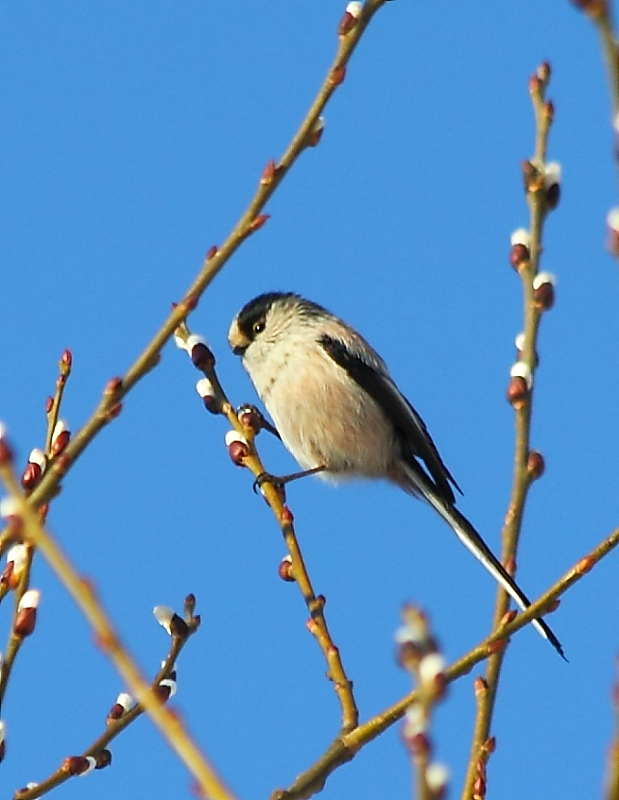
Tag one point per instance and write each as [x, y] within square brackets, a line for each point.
[257, 327]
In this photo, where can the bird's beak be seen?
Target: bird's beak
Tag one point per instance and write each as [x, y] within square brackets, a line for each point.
[237, 339]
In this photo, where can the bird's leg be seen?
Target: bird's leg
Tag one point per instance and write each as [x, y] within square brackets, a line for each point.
[279, 481]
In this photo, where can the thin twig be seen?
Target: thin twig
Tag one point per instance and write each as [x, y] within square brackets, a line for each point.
[82, 592]
[204, 360]
[250, 221]
[115, 726]
[345, 747]
[523, 477]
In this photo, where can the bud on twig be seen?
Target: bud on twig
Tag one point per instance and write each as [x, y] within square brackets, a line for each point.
[544, 290]
[268, 173]
[520, 384]
[16, 559]
[552, 178]
[79, 765]
[123, 703]
[520, 253]
[200, 353]
[207, 392]
[437, 776]
[535, 465]
[26, 616]
[315, 134]
[285, 569]
[350, 18]
[60, 438]
[6, 453]
[238, 447]
[258, 222]
[337, 76]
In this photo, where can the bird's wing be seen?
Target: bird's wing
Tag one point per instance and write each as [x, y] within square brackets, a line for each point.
[415, 440]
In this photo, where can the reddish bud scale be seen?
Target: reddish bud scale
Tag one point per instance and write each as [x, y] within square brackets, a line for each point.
[592, 8]
[190, 303]
[211, 252]
[7, 577]
[285, 571]
[61, 464]
[258, 222]
[510, 565]
[612, 242]
[190, 604]
[533, 179]
[480, 686]
[479, 788]
[347, 23]
[60, 442]
[490, 744]
[116, 712]
[238, 452]
[519, 256]
[49, 404]
[25, 622]
[320, 603]
[250, 420]
[162, 693]
[338, 75]
[31, 476]
[178, 627]
[114, 411]
[211, 404]
[535, 85]
[75, 765]
[552, 195]
[554, 605]
[544, 296]
[286, 516]
[496, 647]
[67, 358]
[517, 392]
[103, 759]
[268, 174]
[6, 454]
[314, 137]
[535, 465]
[508, 617]
[585, 565]
[202, 357]
[112, 387]
[544, 71]
[549, 110]
[419, 744]
[312, 626]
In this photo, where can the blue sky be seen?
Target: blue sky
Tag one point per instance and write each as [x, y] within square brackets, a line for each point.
[133, 136]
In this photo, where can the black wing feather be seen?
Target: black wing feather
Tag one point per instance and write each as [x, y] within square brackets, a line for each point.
[415, 440]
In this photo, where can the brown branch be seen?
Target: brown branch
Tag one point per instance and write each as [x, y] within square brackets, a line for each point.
[119, 719]
[243, 452]
[82, 592]
[345, 747]
[250, 221]
[520, 393]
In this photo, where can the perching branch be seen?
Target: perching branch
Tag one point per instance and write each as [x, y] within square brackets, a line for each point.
[242, 449]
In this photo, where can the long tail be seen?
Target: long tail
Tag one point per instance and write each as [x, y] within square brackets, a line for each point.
[473, 541]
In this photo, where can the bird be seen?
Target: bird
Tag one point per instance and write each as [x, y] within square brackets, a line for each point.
[340, 413]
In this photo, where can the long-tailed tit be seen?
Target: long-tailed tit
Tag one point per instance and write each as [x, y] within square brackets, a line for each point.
[337, 409]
